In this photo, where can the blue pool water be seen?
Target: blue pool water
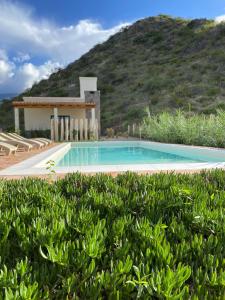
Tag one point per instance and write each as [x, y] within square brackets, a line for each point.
[114, 155]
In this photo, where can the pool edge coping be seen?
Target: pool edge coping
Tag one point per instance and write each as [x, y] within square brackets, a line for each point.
[37, 165]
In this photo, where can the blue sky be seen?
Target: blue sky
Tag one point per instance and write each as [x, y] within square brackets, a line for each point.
[39, 36]
[110, 13]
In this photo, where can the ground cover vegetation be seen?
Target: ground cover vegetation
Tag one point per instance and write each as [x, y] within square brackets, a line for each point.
[129, 237]
[183, 128]
[159, 62]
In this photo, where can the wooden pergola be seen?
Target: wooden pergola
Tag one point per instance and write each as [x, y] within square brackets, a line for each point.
[77, 105]
[55, 105]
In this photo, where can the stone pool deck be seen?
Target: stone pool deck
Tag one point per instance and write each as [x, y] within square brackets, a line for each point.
[10, 160]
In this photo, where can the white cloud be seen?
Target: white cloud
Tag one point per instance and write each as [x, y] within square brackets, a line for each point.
[5, 71]
[26, 75]
[31, 73]
[6, 67]
[21, 57]
[220, 19]
[20, 30]
[3, 54]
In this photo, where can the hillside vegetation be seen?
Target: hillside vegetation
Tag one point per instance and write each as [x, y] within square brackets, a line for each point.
[159, 62]
[98, 237]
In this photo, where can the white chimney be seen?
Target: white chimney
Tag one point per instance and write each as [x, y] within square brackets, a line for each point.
[87, 84]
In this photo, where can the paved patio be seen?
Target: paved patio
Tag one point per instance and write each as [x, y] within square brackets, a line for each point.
[7, 161]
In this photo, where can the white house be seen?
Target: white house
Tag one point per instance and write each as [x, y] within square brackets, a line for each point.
[39, 111]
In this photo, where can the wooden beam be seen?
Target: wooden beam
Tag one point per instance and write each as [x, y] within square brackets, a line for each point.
[78, 105]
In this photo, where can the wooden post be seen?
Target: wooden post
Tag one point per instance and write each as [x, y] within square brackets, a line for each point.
[56, 130]
[93, 121]
[17, 119]
[140, 131]
[93, 116]
[71, 129]
[62, 130]
[66, 129]
[90, 129]
[81, 129]
[134, 128]
[96, 129]
[76, 130]
[85, 129]
[128, 130]
[52, 130]
[93, 129]
[56, 125]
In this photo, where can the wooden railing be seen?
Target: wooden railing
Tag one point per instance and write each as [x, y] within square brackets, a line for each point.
[70, 129]
[135, 130]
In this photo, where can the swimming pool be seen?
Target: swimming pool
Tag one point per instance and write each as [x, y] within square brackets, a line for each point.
[121, 153]
[120, 156]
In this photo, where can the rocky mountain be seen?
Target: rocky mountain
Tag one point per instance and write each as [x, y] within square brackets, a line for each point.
[162, 63]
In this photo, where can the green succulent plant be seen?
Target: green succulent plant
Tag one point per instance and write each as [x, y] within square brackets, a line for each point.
[99, 237]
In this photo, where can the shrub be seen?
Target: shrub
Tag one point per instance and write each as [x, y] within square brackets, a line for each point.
[156, 83]
[187, 129]
[59, 92]
[213, 91]
[110, 132]
[107, 88]
[38, 134]
[157, 37]
[84, 237]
